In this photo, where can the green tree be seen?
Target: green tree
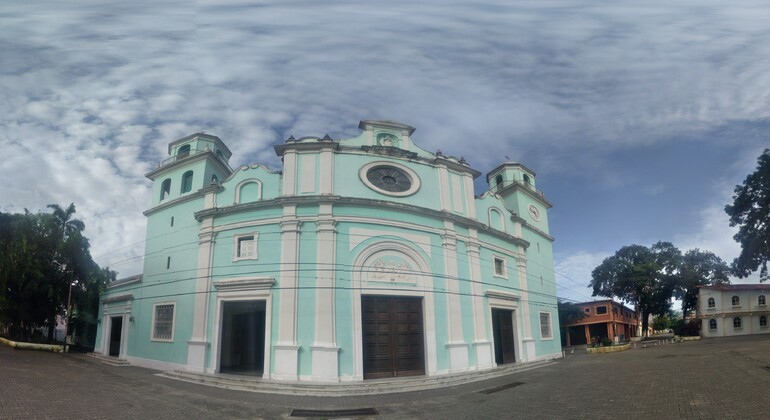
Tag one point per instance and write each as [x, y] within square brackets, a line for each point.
[642, 276]
[751, 212]
[44, 257]
[661, 323]
[699, 268]
[569, 312]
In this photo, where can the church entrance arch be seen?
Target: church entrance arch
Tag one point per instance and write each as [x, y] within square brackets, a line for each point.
[393, 311]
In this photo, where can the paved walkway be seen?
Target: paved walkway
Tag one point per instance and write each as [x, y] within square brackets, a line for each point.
[718, 378]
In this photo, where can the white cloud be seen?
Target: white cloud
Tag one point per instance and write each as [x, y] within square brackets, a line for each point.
[94, 91]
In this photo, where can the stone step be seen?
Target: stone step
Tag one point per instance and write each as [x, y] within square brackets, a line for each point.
[369, 387]
[109, 360]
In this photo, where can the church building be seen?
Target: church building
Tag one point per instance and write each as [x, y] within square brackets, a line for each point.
[360, 258]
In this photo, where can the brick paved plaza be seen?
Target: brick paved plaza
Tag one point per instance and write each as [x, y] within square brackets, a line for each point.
[719, 378]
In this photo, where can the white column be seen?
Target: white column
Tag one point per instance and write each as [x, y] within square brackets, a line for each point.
[198, 345]
[484, 353]
[457, 347]
[287, 350]
[324, 349]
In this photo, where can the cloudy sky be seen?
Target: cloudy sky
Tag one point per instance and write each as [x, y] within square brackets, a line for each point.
[638, 117]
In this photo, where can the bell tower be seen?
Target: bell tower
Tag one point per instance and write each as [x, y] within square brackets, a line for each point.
[194, 162]
[515, 184]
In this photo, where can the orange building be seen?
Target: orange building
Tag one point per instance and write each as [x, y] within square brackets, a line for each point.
[603, 319]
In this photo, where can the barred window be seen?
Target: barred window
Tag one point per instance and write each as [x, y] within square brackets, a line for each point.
[763, 321]
[737, 323]
[712, 303]
[245, 247]
[736, 301]
[761, 300]
[163, 322]
[712, 324]
[545, 325]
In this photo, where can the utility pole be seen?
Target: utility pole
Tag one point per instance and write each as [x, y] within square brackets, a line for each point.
[67, 320]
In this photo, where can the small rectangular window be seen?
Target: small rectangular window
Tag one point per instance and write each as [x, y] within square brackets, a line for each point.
[545, 325]
[163, 322]
[499, 266]
[601, 310]
[245, 247]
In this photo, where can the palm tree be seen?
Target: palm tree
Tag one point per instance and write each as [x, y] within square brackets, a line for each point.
[68, 224]
[71, 228]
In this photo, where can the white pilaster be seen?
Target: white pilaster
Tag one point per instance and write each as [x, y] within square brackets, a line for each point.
[470, 197]
[287, 350]
[327, 172]
[325, 350]
[444, 191]
[289, 172]
[482, 344]
[198, 345]
[528, 342]
[457, 347]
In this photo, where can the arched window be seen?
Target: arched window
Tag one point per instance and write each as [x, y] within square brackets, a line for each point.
[712, 324]
[496, 220]
[763, 321]
[165, 189]
[214, 180]
[183, 151]
[248, 191]
[737, 323]
[498, 181]
[761, 300]
[712, 303]
[736, 301]
[187, 180]
[527, 180]
[220, 155]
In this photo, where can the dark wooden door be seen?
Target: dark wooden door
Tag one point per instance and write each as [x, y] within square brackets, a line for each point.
[393, 337]
[116, 330]
[502, 325]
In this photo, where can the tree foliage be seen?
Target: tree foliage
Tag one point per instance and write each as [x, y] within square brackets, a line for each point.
[699, 268]
[41, 256]
[569, 312]
[751, 212]
[642, 276]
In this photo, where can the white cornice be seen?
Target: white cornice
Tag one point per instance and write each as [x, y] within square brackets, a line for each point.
[238, 284]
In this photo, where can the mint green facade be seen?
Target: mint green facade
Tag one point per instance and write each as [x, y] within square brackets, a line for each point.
[361, 258]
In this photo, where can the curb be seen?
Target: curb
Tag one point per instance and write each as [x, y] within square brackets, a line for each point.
[32, 346]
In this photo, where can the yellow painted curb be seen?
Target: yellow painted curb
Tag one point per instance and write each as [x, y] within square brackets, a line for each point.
[32, 346]
[608, 349]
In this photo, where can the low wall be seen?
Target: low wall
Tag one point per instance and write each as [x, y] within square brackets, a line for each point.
[608, 349]
[32, 346]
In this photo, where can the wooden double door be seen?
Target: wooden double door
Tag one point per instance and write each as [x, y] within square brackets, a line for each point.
[393, 342]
